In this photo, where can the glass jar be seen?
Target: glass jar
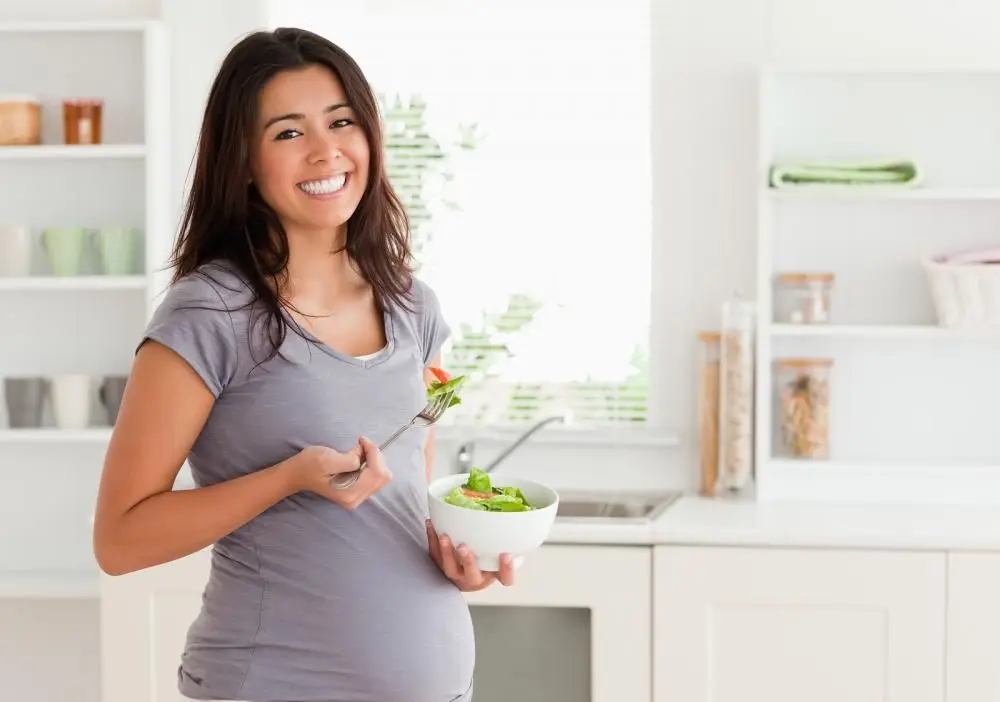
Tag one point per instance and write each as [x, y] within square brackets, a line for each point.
[802, 298]
[708, 411]
[736, 396]
[804, 406]
[82, 121]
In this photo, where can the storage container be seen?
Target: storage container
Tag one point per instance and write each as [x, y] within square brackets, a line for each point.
[20, 120]
[803, 386]
[708, 411]
[966, 295]
[83, 120]
[736, 396]
[803, 298]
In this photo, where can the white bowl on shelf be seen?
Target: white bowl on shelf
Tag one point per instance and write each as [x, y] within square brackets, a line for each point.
[489, 534]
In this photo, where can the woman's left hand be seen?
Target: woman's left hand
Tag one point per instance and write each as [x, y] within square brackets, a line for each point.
[459, 565]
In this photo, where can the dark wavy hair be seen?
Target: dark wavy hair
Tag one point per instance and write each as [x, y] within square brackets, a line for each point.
[225, 218]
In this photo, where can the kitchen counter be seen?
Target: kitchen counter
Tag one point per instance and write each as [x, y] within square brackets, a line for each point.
[700, 521]
[707, 522]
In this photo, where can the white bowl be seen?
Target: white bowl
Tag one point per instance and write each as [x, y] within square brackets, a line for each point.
[489, 534]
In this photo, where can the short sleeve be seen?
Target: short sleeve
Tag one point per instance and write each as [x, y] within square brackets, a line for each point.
[434, 329]
[195, 323]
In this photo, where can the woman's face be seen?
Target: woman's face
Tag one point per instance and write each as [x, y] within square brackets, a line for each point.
[310, 156]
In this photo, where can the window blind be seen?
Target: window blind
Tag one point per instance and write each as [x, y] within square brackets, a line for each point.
[519, 142]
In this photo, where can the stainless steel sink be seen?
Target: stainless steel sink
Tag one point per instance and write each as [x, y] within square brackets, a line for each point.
[637, 507]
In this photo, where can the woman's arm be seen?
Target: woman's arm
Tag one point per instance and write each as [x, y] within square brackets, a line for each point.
[141, 521]
[429, 446]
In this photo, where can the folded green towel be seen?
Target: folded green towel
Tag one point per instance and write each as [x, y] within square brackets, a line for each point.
[899, 172]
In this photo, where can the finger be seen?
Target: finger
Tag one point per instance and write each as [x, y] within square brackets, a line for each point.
[374, 458]
[506, 575]
[448, 562]
[433, 543]
[471, 575]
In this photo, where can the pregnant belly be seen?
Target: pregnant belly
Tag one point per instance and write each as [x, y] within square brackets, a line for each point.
[374, 628]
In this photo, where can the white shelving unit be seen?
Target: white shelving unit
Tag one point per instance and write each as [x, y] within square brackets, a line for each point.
[912, 404]
[88, 323]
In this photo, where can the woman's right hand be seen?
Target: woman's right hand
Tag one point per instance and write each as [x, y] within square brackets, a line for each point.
[312, 468]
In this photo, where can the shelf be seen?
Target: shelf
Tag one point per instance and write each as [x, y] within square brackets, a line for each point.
[45, 584]
[51, 435]
[833, 192]
[72, 151]
[74, 283]
[880, 482]
[880, 331]
[76, 26]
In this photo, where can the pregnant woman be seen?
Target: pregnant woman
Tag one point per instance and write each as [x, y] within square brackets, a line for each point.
[293, 330]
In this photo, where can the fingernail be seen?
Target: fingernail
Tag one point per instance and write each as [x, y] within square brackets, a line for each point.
[462, 550]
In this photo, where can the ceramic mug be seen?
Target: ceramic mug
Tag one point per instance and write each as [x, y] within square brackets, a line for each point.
[64, 248]
[25, 399]
[110, 394]
[16, 245]
[71, 400]
[117, 246]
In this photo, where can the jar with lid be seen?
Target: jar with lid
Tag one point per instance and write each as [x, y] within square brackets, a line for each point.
[708, 411]
[803, 386]
[803, 298]
[736, 396]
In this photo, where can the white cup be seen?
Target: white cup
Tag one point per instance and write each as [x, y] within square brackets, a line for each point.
[16, 246]
[71, 399]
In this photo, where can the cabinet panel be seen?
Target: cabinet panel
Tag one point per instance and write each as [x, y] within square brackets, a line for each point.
[973, 652]
[733, 624]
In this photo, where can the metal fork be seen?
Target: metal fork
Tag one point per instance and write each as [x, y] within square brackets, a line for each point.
[424, 418]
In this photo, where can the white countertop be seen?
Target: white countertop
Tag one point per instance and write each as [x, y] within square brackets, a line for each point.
[706, 522]
[694, 520]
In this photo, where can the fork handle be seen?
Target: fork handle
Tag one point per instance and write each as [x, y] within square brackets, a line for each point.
[385, 444]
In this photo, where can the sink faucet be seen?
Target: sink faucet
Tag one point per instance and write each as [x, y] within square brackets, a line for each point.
[464, 458]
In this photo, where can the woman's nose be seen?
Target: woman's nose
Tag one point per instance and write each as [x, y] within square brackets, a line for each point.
[324, 147]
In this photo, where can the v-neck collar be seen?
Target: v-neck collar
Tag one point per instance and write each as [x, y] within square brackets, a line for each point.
[380, 356]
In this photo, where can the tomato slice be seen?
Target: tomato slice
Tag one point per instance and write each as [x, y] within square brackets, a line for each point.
[476, 495]
[441, 375]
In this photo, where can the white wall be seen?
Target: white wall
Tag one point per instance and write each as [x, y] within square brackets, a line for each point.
[705, 53]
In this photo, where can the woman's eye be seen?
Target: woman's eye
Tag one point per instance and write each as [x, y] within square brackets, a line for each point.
[287, 134]
[337, 124]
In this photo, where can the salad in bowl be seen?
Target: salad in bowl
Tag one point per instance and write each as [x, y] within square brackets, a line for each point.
[510, 515]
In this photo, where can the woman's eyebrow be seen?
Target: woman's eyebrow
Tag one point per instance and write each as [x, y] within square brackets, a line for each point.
[300, 116]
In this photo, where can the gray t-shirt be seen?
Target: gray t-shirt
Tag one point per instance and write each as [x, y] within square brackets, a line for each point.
[310, 602]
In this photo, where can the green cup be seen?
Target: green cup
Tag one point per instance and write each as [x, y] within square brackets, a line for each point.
[64, 249]
[117, 248]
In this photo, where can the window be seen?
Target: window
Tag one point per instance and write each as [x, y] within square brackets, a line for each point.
[518, 136]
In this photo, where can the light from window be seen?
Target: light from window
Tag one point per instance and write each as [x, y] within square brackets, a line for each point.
[519, 140]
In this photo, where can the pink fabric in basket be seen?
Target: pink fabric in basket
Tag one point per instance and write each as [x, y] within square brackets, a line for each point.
[985, 256]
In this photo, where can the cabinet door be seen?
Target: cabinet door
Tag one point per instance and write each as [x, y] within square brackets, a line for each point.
[784, 625]
[144, 622]
[973, 651]
[574, 628]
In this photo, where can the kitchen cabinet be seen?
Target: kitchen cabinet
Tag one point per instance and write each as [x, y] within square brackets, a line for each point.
[575, 628]
[973, 650]
[785, 625]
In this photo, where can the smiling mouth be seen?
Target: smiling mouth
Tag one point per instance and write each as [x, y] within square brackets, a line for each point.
[327, 186]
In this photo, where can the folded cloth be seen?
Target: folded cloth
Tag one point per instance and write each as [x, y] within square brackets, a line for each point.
[890, 172]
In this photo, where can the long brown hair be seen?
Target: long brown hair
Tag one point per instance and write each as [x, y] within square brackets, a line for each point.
[225, 218]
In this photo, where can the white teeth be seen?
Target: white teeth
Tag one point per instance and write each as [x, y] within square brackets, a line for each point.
[324, 187]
